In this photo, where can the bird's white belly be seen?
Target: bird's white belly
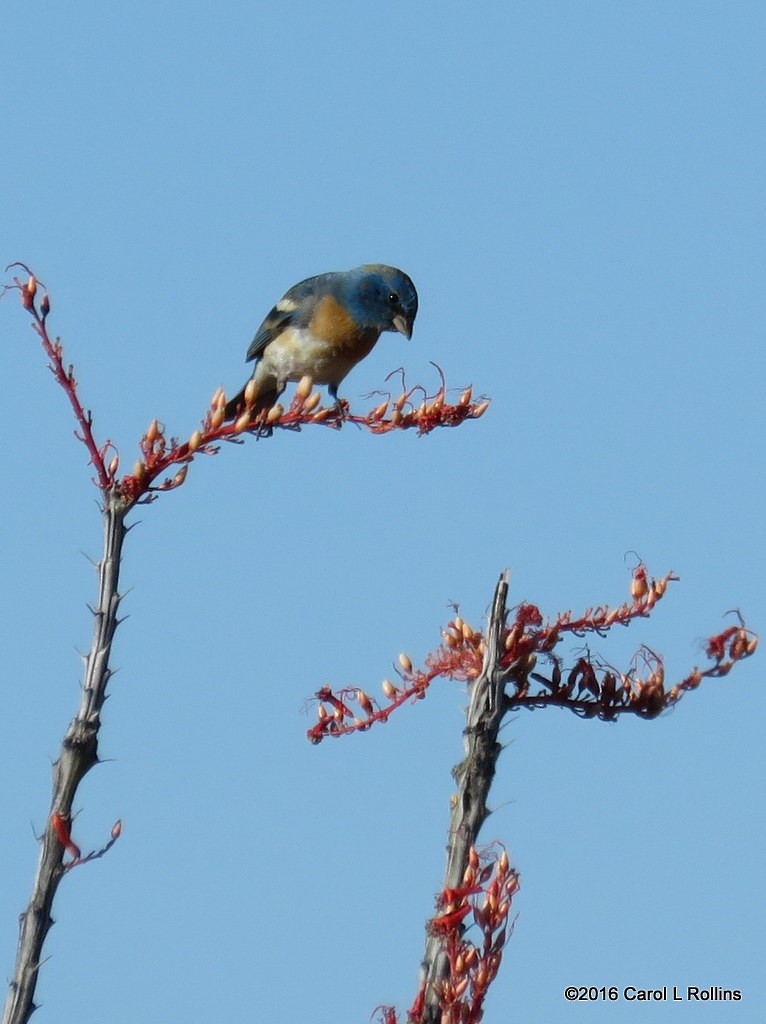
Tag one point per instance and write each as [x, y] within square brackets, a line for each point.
[298, 353]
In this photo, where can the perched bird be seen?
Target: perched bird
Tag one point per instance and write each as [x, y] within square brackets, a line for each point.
[323, 326]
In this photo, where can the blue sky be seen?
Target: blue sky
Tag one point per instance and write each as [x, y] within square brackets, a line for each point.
[577, 191]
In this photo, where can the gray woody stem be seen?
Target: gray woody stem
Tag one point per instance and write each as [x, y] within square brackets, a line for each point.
[79, 752]
[474, 777]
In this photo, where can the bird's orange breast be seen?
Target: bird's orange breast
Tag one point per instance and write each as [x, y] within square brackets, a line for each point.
[335, 325]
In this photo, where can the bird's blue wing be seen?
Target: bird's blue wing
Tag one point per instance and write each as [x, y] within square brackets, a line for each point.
[271, 328]
[294, 309]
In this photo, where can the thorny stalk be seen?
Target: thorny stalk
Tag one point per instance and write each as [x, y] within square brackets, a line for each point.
[474, 777]
[78, 754]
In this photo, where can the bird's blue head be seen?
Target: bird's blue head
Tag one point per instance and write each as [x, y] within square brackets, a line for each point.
[387, 298]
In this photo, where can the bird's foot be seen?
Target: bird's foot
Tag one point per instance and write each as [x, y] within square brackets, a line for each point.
[342, 409]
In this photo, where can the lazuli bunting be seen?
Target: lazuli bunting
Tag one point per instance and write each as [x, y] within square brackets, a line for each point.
[323, 326]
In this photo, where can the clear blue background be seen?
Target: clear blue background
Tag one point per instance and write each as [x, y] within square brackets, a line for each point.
[578, 192]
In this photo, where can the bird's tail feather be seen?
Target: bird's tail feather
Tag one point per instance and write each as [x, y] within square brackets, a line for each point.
[233, 406]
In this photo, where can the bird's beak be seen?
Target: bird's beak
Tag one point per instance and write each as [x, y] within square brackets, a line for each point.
[402, 325]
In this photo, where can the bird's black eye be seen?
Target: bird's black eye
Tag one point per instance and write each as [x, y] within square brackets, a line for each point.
[393, 299]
